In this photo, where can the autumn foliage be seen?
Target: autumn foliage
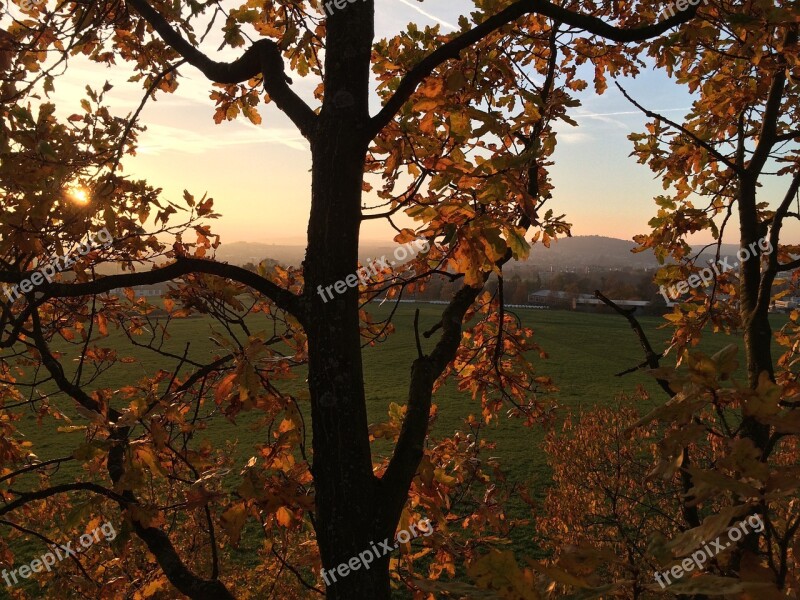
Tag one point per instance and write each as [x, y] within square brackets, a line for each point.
[462, 145]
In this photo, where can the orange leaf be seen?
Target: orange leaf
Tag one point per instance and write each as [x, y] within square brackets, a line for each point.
[224, 388]
[284, 516]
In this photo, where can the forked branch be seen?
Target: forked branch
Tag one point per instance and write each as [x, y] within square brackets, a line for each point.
[262, 58]
[452, 49]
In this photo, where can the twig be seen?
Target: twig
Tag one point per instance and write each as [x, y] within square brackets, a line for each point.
[652, 359]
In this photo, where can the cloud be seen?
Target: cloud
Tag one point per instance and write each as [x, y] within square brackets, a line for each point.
[429, 15]
[160, 138]
[573, 137]
[605, 117]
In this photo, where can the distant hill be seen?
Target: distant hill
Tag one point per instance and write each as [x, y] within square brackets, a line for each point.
[578, 251]
[591, 251]
[239, 253]
[601, 251]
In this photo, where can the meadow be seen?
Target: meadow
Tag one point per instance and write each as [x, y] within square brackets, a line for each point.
[585, 350]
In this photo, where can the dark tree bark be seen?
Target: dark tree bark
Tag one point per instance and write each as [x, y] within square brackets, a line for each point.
[346, 489]
[757, 333]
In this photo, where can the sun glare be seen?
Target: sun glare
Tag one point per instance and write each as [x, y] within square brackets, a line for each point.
[79, 195]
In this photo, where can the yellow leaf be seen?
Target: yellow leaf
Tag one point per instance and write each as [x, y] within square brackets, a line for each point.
[145, 455]
[558, 575]
[233, 520]
[443, 477]
[498, 571]
[460, 125]
[764, 402]
[151, 588]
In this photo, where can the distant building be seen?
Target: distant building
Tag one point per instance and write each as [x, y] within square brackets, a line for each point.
[596, 302]
[786, 304]
[552, 298]
[575, 301]
[556, 299]
[142, 291]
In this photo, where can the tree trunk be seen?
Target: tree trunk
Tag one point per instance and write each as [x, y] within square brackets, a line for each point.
[757, 330]
[755, 319]
[347, 492]
[346, 489]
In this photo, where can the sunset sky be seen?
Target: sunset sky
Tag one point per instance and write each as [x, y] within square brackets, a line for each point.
[259, 175]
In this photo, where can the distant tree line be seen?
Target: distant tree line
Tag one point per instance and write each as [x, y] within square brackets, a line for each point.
[629, 284]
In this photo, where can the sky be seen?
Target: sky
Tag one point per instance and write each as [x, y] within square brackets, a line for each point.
[259, 175]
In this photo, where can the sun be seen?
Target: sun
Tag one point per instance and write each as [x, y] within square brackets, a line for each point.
[79, 195]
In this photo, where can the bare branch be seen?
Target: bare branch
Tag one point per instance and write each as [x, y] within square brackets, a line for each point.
[702, 143]
[424, 372]
[652, 360]
[765, 288]
[36, 466]
[132, 121]
[49, 542]
[650, 355]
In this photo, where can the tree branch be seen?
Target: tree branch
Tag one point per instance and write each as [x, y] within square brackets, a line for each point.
[36, 466]
[785, 137]
[453, 48]
[283, 298]
[132, 121]
[424, 372]
[49, 542]
[156, 540]
[767, 138]
[27, 497]
[690, 512]
[262, 58]
[773, 266]
[652, 359]
[700, 142]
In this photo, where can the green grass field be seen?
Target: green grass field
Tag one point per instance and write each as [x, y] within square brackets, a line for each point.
[585, 351]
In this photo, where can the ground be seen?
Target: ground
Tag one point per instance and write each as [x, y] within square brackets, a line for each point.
[585, 351]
